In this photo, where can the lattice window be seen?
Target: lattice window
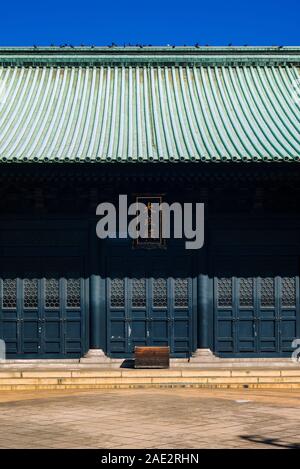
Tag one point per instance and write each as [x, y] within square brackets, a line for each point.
[246, 292]
[267, 292]
[224, 291]
[181, 292]
[30, 293]
[160, 296]
[52, 293]
[9, 299]
[117, 293]
[73, 293]
[288, 291]
[138, 292]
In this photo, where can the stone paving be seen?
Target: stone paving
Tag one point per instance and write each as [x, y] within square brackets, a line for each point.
[150, 418]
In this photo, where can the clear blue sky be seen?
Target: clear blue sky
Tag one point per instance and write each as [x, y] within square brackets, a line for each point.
[156, 22]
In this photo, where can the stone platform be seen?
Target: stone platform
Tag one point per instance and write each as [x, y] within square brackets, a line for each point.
[265, 373]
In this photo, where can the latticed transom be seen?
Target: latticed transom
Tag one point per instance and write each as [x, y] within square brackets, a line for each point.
[160, 295]
[288, 291]
[30, 293]
[181, 294]
[246, 291]
[117, 293]
[73, 293]
[51, 293]
[224, 291]
[138, 292]
[9, 298]
[267, 292]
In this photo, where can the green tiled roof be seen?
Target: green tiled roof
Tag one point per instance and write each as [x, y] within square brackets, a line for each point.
[149, 104]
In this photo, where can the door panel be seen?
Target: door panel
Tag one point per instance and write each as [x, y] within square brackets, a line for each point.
[138, 310]
[52, 317]
[225, 315]
[42, 316]
[9, 325]
[267, 315]
[29, 315]
[73, 309]
[117, 301]
[289, 317]
[245, 319]
[256, 314]
[180, 313]
[147, 306]
[160, 305]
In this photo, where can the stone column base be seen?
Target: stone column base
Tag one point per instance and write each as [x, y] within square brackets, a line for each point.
[203, 355]
[95, 356]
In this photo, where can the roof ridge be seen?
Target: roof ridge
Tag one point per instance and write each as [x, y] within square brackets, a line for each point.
[151, 49]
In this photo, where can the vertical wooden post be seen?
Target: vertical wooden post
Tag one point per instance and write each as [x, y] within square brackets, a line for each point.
[97, 322]
[204, 294]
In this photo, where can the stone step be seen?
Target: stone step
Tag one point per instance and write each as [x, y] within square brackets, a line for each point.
[34, 379]
[194, 362]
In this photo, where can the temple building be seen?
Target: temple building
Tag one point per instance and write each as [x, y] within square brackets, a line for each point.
[212, 125]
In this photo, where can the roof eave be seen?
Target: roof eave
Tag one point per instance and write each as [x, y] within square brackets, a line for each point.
[68, 55]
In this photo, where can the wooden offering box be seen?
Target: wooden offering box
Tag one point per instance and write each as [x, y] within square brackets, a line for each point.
[152, 357]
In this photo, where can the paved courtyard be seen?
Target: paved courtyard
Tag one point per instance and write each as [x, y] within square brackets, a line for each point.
[150, 418]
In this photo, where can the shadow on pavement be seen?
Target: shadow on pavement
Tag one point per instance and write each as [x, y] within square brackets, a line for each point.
[271, 442]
